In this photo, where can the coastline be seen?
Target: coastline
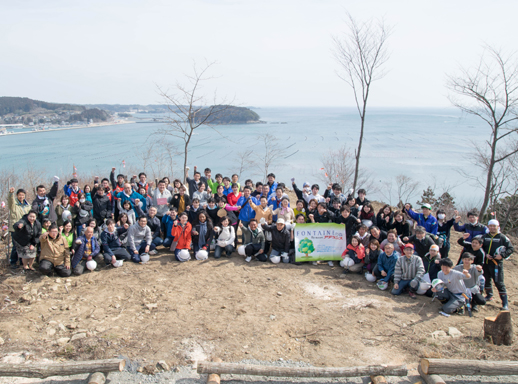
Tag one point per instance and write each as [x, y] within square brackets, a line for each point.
[94, 125]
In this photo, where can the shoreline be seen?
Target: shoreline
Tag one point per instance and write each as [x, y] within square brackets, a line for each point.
[94, 125]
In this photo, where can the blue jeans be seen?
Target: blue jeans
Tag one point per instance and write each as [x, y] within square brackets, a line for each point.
[158, 241]
[275, 253]
[167, 242]
[135, 257]
[402, 285]
[219, 250]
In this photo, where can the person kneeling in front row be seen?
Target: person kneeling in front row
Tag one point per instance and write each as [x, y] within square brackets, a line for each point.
[408, 272]
[140, 240]
[113, 250]
[253, 242]
[55, 254]
[452, 295]
[87, 249]
[280, 241]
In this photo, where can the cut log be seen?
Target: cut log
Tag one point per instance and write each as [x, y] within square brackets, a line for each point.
[468, 367]
[378, 380]
[430, 379]
[61, 369]
[214, 378]
[97, 378]
[261, 370]
[499, 329]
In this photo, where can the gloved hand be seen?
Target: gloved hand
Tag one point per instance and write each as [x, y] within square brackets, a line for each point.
[56, 179]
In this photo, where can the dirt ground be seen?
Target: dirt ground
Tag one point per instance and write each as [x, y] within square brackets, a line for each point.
[227, 308]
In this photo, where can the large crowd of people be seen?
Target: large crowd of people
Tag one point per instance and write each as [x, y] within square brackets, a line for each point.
[117, 220]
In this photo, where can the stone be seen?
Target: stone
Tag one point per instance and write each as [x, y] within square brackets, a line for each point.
[72, 326]
[2, 342]
[62, 327]
[279, 293]
[58, 281]
[53, 322]
[140, 369]
[78, 336]
[152, 306]
[163, 365]
[34, 291]
[51, 332]
[439, 334]
[68, 280]
[272, 317]
[63, 341]
[176, 369]
[54, 288]
[454, 332]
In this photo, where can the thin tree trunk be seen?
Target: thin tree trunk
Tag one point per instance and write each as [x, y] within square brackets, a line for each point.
[489, 174]
[360, 142]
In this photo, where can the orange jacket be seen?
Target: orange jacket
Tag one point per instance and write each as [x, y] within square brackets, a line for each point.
[182, 235]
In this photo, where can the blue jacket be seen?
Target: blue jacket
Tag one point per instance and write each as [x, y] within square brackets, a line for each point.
[472, 229]
[78, 256]
[111, 240]
[429, 224]
[273, 188]
[227, 191]
[168, 222]
[134, 195]
[387, 264]
[247, 213]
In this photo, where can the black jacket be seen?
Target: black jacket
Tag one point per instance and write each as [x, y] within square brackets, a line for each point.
[111, 241]
[381, 222]
[351, 225]
[372, 257]
[155, 225]
[28, 234]
[280, 240]
[208, 236]
[103, 207]
[491, 243]
[176, 200]
[39, 205]
[326, 217]
[80, 220]
[421, 247]
[403, 229]
[480, 255]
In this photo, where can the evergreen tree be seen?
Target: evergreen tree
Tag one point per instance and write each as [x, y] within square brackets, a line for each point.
[428, 197]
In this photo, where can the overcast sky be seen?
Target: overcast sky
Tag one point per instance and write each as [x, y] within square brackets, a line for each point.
[269, 53]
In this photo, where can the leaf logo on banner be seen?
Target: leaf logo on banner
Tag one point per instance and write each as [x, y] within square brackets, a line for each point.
[306, 246]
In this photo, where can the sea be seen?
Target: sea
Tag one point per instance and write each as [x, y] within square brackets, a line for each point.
[431, 146]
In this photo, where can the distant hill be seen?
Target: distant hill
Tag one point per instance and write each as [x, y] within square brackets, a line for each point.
[230, 115]
[25, 105]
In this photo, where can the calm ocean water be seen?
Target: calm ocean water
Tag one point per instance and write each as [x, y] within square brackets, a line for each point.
[429, 145]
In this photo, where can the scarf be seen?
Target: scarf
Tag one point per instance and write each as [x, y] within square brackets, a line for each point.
[203, 234]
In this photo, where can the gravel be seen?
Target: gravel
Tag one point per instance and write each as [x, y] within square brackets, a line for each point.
[188, 375]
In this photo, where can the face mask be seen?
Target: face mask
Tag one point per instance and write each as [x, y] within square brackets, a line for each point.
[82, 200]
[441, 216]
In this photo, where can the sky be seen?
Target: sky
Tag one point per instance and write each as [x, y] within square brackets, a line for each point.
[267, 53]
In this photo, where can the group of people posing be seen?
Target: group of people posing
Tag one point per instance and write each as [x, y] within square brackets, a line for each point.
[119, 220]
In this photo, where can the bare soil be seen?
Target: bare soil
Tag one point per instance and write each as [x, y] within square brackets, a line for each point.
[183, 312]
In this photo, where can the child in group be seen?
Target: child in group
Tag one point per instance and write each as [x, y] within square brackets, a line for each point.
[353, 256]
[475, 282]
[452, 296]
[149, 200]
[226, 237]
[182, 238]
[128, 210]
[384, 270]
[372, 253]
[474, 247]
[202, 195]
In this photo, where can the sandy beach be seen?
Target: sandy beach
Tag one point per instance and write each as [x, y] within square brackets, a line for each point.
[94, 125]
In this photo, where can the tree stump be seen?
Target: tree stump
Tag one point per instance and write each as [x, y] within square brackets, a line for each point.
[378, 380]
[97, 378]
[499, 329]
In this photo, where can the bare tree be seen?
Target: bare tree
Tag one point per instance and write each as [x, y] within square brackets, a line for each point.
[269, 152]
[402, 186]
[338, 167]
[361, 52]
[190, 109]
[490, 91]
[244, 160]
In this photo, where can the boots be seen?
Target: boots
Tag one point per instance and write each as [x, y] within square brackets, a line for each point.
[505, 304]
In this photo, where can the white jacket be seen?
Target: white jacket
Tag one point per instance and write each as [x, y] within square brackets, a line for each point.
[226, 236]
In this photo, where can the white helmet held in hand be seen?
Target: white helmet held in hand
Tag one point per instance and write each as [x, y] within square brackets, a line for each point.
[144, 258]
[202, 254]
[370, 278]
[118, 263]
[275, 259]
[184, 255]
[241, 250]
[368, 223]
[423, 287]
[91, 265]
[346, 262]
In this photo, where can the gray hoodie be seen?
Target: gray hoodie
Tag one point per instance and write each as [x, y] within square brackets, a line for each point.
[136, 235]
[161, 201]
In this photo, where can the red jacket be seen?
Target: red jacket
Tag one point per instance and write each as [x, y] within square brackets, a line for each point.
[182, 235]
[359, 250]
[232, 198]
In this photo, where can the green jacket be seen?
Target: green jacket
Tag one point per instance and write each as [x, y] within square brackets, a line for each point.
[17, 209]
[213, 185]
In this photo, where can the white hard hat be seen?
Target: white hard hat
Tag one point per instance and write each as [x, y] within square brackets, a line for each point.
[118, 263]
[437, 282]
[423, 287]
[184, 255]
[144, 258]
[91, 265]
[368, 223]
[347, 262]
[370, 278]
[241, 250]
[275, 259]
[202, 254]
